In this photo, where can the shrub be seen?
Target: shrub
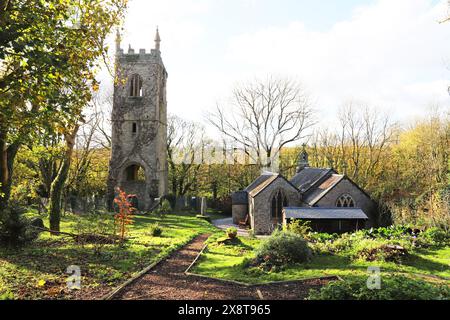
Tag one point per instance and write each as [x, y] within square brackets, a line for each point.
[371, 250]
[125, 216]
[322, 237]
[155, 230]
[282, 248]
[165, 207]
[390, 232]
[299, 227]
[433, 237]
[7, 295]
[338, 244]
[393, 287]
[15, 229]
[231, 232]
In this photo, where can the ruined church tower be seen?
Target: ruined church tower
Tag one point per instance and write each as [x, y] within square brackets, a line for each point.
[138, 163]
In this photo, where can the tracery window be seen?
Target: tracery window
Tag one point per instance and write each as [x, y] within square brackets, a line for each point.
[345, 201]
[279, 201]
[135, 86]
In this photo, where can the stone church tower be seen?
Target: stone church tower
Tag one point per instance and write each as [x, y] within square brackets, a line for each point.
[138, 163]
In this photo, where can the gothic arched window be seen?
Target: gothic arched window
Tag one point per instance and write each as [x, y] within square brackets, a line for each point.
[345, 201]
[135, 86]
[279, 201]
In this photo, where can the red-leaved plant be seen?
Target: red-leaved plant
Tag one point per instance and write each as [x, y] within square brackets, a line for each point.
[125, 216]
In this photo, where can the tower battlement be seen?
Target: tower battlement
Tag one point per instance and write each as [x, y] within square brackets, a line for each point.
[141, 52]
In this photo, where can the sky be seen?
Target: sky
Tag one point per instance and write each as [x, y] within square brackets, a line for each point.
[391, 54]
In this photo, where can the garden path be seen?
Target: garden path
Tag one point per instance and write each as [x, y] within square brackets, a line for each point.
[168, 281]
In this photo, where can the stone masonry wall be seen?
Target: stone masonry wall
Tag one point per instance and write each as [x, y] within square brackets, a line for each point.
[260, 206]
[361, 200]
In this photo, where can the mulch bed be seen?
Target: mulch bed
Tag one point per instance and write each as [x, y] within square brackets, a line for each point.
[167, 281]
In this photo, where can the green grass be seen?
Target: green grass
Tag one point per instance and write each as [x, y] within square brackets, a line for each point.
[228, 262]
[39, 269]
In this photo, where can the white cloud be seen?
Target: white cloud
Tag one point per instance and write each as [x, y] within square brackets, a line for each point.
[393, 54]
[390, 54]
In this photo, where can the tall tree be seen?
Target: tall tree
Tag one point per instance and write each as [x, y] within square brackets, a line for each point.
[263, 116]
[49, 51]
[186, 143]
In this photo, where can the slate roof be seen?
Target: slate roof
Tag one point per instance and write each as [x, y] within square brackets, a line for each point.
[263, 181]
[315, 194]
[239, 197]
[308, 177]
[324, 213]
[258, 181]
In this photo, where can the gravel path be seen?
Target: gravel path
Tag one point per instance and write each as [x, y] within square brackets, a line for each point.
[167, 281]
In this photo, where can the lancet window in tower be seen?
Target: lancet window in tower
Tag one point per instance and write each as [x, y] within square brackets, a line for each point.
[134, 129]
[136, 86]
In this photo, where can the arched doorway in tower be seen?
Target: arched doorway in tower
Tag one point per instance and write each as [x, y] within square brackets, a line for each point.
[135, 172]
[134, 184]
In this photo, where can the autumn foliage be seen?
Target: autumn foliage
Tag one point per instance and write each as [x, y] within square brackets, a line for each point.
[125, 216]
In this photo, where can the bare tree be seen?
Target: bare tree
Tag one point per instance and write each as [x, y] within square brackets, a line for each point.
[447, 18]
[264, 116]
[186, 143]
[102, 108]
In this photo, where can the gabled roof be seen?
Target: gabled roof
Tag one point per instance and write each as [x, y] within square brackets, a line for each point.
[257, 189]
[258, 181]
[308, 177]
[316, 193]
[263, 181]
[324, 213]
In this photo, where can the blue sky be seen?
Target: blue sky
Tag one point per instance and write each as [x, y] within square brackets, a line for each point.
[392, 54]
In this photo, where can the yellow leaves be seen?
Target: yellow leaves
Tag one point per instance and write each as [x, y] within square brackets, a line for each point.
[24, 62]
[41, 283]
[95, 87]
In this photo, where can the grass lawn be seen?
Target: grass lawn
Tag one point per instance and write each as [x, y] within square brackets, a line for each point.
[228, 262]
[39, 270]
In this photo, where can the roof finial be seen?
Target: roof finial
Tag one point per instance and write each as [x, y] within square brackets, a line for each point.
[157, 39]
[303, 159]
[117, 41]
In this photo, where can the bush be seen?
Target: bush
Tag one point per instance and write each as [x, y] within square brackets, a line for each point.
[282, 248]
[299, 227]
[393, 287]
[231, 232]
[165, 207]
[338, 244]
[7, 295]
[433, 237]
[15, 229]
[155, 230]
[390, 232]
[322, 236]
[371, 250]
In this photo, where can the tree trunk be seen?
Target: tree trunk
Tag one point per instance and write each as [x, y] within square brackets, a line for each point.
[57, 186]
[7, 156]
